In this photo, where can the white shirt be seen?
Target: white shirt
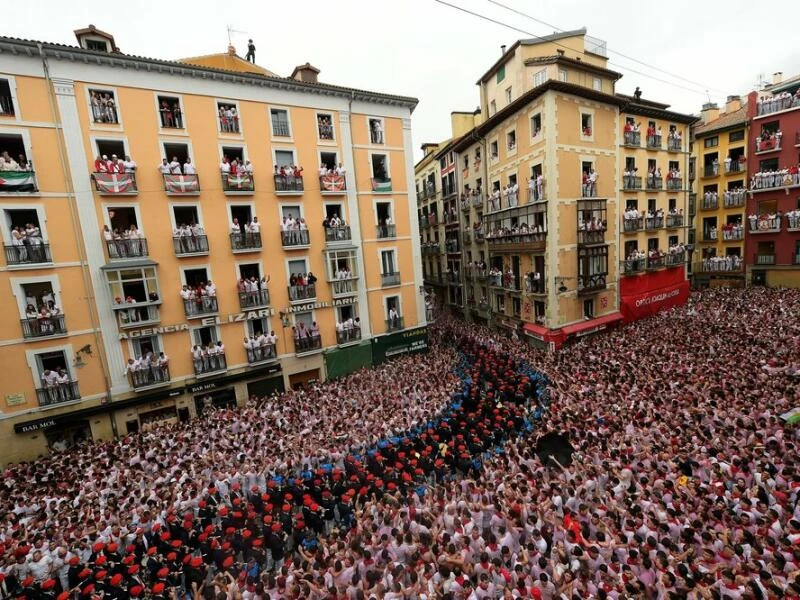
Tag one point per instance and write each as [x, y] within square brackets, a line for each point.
[164, 168]
[188, 168]
[175, 167]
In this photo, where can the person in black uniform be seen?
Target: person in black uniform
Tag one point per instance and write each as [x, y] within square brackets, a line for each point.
[251, 52]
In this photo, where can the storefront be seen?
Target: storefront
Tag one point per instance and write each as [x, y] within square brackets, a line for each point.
[304, 379]
[409, 341]
[343, 361]
[542, 337]
[213, 398]
[590, 327]
[650, 293]
[262, 388]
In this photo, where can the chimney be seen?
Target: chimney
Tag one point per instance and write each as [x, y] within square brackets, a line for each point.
[777, 77]
[306, 72]
[502, 50]
[710, 112]
[733, 103]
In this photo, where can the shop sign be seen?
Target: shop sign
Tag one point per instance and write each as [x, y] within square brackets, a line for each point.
[202, 387]
[315, 305]
[34, 425]
[231, 318]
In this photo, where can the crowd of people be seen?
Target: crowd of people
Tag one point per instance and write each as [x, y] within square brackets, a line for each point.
[784, 177]
[8, 163]
[174, 167]
[769, 140]
[27, 243]
[149, 369]
[306, 337]
[422, 479]
[199, 298]
[104, 108]
[325, 127]
[302, 286]
[45, 320]
[190, 237]
[728, 262]
[777, 102]
[208, 357]
[124, 242]
[253, 291]
[519, 232]
[261, 346]
[235, 166]
[294, 231]
[103, 164]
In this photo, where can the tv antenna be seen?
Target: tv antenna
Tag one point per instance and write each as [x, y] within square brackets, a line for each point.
[232, 30]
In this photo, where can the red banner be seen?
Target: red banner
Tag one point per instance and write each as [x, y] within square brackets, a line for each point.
[650, 293]
[332, 183]
[115, 183]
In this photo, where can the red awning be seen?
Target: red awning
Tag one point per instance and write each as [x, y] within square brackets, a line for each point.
[592, 325]
[537, 330]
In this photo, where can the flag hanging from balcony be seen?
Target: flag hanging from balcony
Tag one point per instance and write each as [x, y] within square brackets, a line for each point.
[240, 181]
[381, 185]
[332, 183]
[181, 184]
[115, 183]
[17, 181]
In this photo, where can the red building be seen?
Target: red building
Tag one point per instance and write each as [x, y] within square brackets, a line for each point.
[772, 238]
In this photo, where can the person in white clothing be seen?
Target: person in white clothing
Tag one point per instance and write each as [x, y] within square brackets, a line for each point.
[175, 166]
[164, 167]
[188, 167]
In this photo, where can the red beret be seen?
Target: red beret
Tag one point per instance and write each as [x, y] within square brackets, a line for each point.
[175, 543]
[28, 581]
[133, 569]
[276, 527]
[63, 596]
[116, 579]
[196, 562]
[49, 584]
[171, 556]
[100, 575]
[135, 591]
[227, 562]
[101, 560]
[151, 550]
[84, 574]
[87, 590]
[158, 588]
[162, 572]
[98, 547]
[74, 561]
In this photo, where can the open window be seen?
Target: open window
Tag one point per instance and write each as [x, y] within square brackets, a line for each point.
[26, 218]
[6, 99]
[14, 145]
[122, 218]
[380, 171]
[325, 126]
[586, 124]
[536, 125]
[280, 122]
[133, 285]
[511, 140]
[233, 153]
[386, 225]
[103, 104]
[328, 159]
[55, 382]
[195, 277]
[170, 112]
[376, 135]
[494, 151]
[205, 336]
[228, 117]
[176, 151]
[185, 214]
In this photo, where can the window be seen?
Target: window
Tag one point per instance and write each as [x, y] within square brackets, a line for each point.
[51, 366]
[631, 204]
[511, 140]
[325, 126]
[501, 74]
[97, 45]
[284, 158]
[562, 75]
[376, 135]
[21, 217]
[508, 95]
[588, 308]
[586, 124]
[597, 84]
[592, 261]
[711, 142]
[736, 136]
[139, 284]
[104, 106]
[380, 170]
[651, 205]
[770, 164]
[493, 150]
[492, 107]
[328, 159]
[123, 219]
[195, 277]
[387, 262]
[110, 148]
[386, 226]
[175, 151]
[170, 112]
[205, 336]
[540, 77]
[233, 152]
[228, 117]
[38, 295]
[6, 99]
[536, 124]
[280, 122]
[673, 204]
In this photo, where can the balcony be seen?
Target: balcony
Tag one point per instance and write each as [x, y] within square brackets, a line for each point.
[720, 264]
[776, 104]
[396, 324]
[657, 261]
[389, 279]
[332, 185]
[732, 233]
[209, 364]
[674, 144]
[302, 293]
[654, 183]
[651, 223]
[344, 287]
[238, 184]
[734, 199]
[674, 260]
[734, 166]
[385, 232]
[793, 220]
[42, 327]
[261, 354]
[126, 249]
[466, 238]
[535, 285]
[307, 345]
[768, 144]
[674, 221]
[200, 307]
[181, 185]
[632, 138]
[348, 336]
[18, 182]
[764, 259]
[710, 202]
[115, 184]
[336, 235]
[295, 238]
[632, 266]
[452, 278]
[190, 245]
[773, 180]
[451, 246]
[253, 300]
[288, 185]
[711, 170]
[149, 377]
[631, 182]
[675, 183]
[517, 242]
[632, 225]
[135, 315]
[764, 224]
[28, 254]
[245, 242]
[589, 190]
[464, 204]
[654, 142]
[588, 238]
[589, 284]
[431, 249]
[381, 185]
[477, 201]
[56, 394]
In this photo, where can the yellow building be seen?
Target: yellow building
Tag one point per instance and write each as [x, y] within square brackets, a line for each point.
[539, 184]
[720, 156]
[144, 259]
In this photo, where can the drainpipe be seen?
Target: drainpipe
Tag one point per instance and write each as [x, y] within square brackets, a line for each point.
[76, 228]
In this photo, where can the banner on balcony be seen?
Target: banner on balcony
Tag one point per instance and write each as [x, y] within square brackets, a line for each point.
[381, 186]
[115, 183]
[181, 184]
[651, 293]
[240, 181]
[17, 181]
[410, 341]
[332, 183]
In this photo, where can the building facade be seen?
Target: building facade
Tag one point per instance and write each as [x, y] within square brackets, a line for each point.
[720, 155]
[540, 181]
[233, 175]
[772, 249]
